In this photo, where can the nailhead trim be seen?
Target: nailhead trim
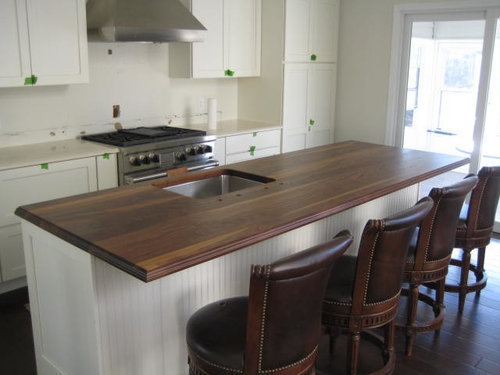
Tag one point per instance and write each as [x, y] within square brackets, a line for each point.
[290, 365]
[381, 302]
[263, 324]
[432, 227]
[218, 366]
[370, 267]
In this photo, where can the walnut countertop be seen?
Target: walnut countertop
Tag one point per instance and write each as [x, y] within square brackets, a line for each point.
[150, 232]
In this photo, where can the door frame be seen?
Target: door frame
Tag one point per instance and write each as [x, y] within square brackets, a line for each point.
[403, 15]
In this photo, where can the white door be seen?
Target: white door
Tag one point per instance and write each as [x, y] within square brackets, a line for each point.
[208, 57]
[321, 104]
[298, 34]
[325, 28]
[295, 106]
[14, 44]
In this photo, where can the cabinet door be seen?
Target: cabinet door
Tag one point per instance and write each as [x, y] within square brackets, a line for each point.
[220, 150]
[14, 44]
[58, 41]
[243, 36]
[324, 30]
[321, 104]
[11, 252]
[298, 36]
[295, 101]
[208, 56]
[36, 184]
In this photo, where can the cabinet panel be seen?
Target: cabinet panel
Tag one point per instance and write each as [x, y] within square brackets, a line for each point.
[208, 56]
[297, 30]
[258, 140]
[33, 184]
[243, 37]
[322, 101]
[57, 33]
[295, 106]
[11, 252]
[14, 54]
[107, 172]
[220, 150]
[325, 28]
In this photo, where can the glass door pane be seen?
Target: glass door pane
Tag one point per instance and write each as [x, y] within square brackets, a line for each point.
[443, 80]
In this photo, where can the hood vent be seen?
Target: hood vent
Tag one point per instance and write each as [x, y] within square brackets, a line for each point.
[142, 21]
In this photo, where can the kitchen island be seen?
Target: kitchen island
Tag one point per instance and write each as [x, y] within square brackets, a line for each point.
[114, 275]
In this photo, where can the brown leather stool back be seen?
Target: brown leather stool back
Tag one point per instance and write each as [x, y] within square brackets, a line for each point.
[284, 313]
[430, 256]
[482, 209]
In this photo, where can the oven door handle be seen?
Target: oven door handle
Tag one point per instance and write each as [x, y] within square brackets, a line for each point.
[203, 166]
[133, 180]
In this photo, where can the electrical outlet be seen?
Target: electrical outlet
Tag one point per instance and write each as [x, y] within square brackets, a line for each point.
[202, 105]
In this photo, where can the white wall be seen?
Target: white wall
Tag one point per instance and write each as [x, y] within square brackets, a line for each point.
[363, 68]
[135, 76]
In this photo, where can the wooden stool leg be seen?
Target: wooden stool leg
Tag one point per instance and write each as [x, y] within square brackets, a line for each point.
[352, 353]
[480, 264]
[411, 318]
[464, 278]
[439, 304]
[389, 330]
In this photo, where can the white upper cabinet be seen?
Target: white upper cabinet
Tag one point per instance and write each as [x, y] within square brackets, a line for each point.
[43, 42]
[231, 47]
[308, 105]
[311, 30]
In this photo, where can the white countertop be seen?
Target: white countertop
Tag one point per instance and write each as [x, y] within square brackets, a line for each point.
[233, 127]
[50, 152]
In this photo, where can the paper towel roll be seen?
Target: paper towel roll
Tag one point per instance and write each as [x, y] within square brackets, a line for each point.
[212, 113]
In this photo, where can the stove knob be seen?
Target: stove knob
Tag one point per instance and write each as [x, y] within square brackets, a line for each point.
[154, 157]
[143, 159]
[199, 150]
[190, 151]
[134, 161]
[206, 148]
[181, 156]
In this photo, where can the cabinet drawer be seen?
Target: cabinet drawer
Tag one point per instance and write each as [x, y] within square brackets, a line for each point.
[247, 155]
[258, 140]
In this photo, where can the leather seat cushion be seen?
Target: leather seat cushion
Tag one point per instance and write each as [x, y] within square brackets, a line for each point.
[412, 250]
[216, 333]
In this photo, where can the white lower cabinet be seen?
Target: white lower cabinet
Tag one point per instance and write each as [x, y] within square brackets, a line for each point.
[252, 145]
[21, 186]
[308, 105]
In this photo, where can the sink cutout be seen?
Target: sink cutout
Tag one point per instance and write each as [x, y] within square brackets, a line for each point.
[213, 183]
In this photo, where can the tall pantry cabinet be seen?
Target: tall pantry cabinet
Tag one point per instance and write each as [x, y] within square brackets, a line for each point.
[298, 76]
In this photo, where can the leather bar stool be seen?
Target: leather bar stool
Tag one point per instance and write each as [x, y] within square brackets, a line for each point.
[429, 256]
[474, 232]
[277, 328]
[363, 292]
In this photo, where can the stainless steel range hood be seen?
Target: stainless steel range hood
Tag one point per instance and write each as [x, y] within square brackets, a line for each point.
[142, 21]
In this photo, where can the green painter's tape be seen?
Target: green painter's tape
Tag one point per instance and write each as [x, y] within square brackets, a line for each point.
[34, 79]
[311, 122]
[45, 166]
[105, 156]
[31, 80]
[254, 134]
[313, 57]
[252, 150]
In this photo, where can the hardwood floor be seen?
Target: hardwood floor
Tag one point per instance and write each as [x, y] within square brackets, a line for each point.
[468, 343]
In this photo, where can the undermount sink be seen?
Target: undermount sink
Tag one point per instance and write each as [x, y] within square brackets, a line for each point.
[223, 182]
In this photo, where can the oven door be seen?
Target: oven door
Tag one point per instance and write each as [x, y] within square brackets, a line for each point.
[133, 178]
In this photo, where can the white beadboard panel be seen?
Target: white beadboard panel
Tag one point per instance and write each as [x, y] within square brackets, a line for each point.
[142, 325]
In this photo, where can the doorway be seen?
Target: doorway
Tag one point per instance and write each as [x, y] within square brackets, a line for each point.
[446, 88]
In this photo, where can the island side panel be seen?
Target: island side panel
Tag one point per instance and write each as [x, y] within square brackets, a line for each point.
[62, 304]
[142, 325]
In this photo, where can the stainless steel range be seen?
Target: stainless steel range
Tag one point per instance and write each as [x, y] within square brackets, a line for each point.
[150, 152]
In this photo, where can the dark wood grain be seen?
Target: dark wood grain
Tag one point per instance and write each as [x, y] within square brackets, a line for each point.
[149, 232]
